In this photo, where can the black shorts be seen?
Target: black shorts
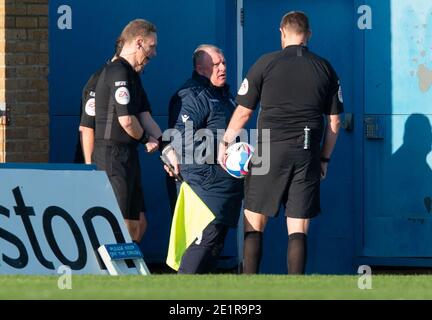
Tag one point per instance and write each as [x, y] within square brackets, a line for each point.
[121, 163]
[293, 180]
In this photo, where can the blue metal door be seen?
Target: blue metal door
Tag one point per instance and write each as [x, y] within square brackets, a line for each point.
[397, 139]
[331, 240]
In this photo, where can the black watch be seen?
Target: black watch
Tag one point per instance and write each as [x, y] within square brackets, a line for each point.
[144, 138]
[324, 159]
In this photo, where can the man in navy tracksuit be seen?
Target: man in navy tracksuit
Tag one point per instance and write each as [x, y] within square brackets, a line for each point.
[204, 102]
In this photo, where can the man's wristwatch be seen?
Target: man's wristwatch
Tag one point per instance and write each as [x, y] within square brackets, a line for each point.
[324, 159]
[144, 138]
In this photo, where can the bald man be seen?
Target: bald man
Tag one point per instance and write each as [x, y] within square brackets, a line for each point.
[205, 102]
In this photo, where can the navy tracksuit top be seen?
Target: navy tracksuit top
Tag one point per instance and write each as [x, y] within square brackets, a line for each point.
[199, 105]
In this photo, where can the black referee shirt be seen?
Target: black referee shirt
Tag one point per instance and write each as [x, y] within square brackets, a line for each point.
[119, 92]
[295, 88]
[88, 107]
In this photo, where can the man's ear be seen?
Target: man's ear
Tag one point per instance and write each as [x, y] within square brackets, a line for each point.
[199, 69]
[282, 32]
[306, 38]
[139, 42]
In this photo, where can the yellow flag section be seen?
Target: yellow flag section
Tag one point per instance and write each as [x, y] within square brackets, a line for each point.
[191, 217]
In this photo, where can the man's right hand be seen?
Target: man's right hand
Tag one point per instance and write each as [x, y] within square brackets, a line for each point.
[152, 145]
[222, 154]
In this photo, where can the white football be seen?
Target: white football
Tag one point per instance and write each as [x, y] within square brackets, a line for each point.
[238, 159]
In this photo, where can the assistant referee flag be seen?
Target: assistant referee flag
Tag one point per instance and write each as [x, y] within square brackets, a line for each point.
[191, 217]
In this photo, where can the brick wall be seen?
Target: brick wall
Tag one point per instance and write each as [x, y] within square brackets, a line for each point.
[24, 79]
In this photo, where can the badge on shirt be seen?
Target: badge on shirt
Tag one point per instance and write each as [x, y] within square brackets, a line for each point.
[122, 95]
[244, 88]
[90, 108]
[185, 118]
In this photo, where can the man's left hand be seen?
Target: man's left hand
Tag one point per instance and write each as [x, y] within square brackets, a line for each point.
[324, 167]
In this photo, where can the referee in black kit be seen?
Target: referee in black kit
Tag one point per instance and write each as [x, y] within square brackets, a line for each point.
[295, 88]
[85, 143]
[123, 120]
[88, 113]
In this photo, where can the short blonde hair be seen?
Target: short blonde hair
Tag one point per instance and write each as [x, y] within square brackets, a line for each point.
[136, 28]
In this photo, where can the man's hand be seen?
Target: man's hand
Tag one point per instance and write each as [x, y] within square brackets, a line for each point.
[222, 154]
[324, 167]
[238, 121]
[172, 157]
[152, 145]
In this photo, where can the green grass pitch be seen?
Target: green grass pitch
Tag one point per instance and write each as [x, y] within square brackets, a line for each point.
[217, 287]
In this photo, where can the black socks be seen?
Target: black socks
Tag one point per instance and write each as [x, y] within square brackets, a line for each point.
[252, 252]
[297, 253]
